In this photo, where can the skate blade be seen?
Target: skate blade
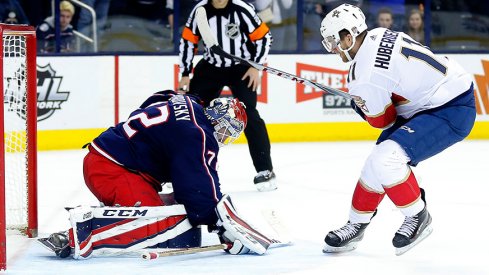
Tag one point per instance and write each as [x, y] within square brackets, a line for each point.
[426, 233]
[332, 249]
[46, 244]
[266, 186]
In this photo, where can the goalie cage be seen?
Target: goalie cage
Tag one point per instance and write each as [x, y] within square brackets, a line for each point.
[18, 152]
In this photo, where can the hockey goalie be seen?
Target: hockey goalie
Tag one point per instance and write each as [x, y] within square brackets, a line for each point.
[170, 138]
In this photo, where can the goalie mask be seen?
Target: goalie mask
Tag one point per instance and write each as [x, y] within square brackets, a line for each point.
[344, 17]
[228, 117]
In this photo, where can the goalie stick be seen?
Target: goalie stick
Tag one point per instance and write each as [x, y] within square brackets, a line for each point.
[184, 251]
[152, 255]
[270, 216]
[211, 43]
[275, 222]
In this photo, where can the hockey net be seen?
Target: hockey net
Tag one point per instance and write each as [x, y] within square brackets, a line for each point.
[18, 161]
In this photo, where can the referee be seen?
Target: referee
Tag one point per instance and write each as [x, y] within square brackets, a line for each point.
[239, 31]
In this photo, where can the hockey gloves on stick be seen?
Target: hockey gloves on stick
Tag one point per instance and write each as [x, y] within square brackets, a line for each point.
[235, 247]
[357, 109]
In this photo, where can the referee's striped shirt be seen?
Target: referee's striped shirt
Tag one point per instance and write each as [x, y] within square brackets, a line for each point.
[238, 30]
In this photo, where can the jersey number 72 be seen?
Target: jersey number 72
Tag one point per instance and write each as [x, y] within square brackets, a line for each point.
[146, 120]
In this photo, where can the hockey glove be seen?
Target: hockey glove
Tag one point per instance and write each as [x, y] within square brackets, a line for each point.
[234, 247]
[236, 228]
[357, 110]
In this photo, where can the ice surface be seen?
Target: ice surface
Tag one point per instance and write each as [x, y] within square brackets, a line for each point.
[315, 181]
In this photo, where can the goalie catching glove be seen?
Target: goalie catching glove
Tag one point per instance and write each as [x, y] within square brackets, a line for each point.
[240, 236]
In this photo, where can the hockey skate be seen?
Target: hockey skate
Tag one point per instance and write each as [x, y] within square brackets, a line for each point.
[345, 238]
[412, 231]
[58, 243]
[265, 181]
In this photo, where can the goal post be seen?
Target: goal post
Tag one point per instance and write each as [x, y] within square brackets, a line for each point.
[18, 149]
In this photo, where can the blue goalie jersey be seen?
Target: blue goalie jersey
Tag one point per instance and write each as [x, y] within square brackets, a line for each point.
[168, 139]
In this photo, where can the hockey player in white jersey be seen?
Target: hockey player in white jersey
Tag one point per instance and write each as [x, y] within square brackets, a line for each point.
[423, 102]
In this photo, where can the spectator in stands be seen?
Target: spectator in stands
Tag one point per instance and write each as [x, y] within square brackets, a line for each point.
[185, 9]
[322, 7]
[415, 27]
[11, 12]
[46, 31]
[263, 9]
[11, 18]
[385, 18]
[277, 15]
[101, 8]
[85, 20]
[313, 13]
[169, 12]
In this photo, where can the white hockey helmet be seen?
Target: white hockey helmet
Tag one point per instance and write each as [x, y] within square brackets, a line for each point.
[344, 17]
[228, 117]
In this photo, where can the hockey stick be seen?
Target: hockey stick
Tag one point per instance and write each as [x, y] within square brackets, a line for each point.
[152, 255]
[270, 216]
[183, 251]
[211, 43]
[275, 222]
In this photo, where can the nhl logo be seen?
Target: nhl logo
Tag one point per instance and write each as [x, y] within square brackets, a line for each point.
[49, 96]
[232, 30]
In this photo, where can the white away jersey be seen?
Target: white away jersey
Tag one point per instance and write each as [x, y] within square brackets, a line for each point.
[393, 75]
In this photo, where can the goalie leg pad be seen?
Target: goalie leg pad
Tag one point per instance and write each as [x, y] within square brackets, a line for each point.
[106, 231]
[238, 229]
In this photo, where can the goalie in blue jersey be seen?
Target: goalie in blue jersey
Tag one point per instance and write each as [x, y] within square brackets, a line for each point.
[169, 138]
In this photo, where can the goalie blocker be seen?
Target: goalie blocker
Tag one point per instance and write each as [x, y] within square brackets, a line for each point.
[236, 231]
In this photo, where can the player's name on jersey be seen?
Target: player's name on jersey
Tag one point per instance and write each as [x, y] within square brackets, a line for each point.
[384, 51]
[180, 107]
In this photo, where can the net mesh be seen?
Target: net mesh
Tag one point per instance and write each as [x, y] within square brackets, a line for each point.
[15, 110]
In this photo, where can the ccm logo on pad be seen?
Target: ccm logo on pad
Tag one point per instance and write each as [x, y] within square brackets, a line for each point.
[124, 213]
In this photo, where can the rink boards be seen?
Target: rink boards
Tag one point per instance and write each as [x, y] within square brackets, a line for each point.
[80, 96]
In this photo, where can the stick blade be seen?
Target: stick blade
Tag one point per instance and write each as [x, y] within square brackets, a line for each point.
[274, 220]
[47, 244]
[203, 25]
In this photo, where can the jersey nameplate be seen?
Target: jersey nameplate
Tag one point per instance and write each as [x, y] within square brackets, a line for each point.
[180, 107]
[384, 51]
